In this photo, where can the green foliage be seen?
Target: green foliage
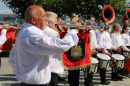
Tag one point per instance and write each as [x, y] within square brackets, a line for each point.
[65, 7]
[119, 6]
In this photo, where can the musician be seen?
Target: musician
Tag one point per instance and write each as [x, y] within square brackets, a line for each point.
[59, 19]
[73, 16]
[73, 75]
[118, 42]
[125, 23]
[3, 38]
[93, 23]
[99, 22]
[29, 57]
[54, 60]
[117, 38]
[125, 35]
[94, 47]
[60, 27]
[104, 41]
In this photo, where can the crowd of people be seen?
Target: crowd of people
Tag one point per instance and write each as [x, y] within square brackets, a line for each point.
[36, 55]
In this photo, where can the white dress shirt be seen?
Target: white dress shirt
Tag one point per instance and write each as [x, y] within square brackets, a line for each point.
[3, 37]
[126, 39]
[29, 57]
[105, 41]
[117, 40]
[54, 60]
[93, 40]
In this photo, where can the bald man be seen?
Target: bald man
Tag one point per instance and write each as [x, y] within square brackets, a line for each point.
[29, 57]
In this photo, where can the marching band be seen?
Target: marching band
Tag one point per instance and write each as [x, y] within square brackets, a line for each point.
[36, 57]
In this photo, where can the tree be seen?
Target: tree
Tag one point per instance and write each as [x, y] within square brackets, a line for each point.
[65, 7]
[119, 6]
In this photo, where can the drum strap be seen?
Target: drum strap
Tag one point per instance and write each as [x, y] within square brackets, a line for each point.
[108, 43]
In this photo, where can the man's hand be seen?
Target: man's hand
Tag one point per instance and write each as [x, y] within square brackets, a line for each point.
[93, 51]
[129, 50]
[101, 49]
[118, 49]
[76, 28]
[121, 47]
[108, 54]
[6, 24]
[75, 19]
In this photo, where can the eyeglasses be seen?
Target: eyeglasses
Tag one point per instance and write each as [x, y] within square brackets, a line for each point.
[73, 16]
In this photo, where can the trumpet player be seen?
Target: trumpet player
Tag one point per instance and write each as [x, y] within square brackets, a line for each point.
[3, 37]
[29, 57]
[54, 60]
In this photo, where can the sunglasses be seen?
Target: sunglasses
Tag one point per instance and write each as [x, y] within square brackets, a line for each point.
[73, 16]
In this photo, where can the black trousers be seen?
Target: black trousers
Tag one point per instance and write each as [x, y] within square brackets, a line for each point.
[115, 70]
[89, 78]
[54, 79]
[73, 77]
[24, 84]
[102, 71]
[103, 74]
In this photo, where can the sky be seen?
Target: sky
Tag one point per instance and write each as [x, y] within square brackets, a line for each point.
[6, 10]
[128, 0]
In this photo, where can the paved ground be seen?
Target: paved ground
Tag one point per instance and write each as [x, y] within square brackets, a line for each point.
[7, 78]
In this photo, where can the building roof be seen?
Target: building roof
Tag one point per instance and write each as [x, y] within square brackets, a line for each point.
[8, 15]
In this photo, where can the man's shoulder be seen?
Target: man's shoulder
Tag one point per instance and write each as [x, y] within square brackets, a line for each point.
[31, 31]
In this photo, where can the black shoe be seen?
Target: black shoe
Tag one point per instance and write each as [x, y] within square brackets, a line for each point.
[114, 79]
[89, 84]
[105, 82]
[61, 79]
[92, 84]
[120, 78]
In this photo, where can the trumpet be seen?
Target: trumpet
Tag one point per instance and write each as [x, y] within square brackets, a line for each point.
[80, 21]
[79, 26]
[19, 26]
[11, 27]
[108, 14]
[5, 22]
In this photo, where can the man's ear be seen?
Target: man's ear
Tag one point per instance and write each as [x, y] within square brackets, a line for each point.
[33, 20]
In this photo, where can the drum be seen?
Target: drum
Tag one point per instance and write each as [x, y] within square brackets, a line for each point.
[104, 60]
[119, 59]
[93, 67]
[127, 55]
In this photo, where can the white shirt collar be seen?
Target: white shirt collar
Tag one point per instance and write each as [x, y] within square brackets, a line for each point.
[117, 33]
[30, 25]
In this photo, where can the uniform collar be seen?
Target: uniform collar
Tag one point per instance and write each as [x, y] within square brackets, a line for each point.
[117, 33]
